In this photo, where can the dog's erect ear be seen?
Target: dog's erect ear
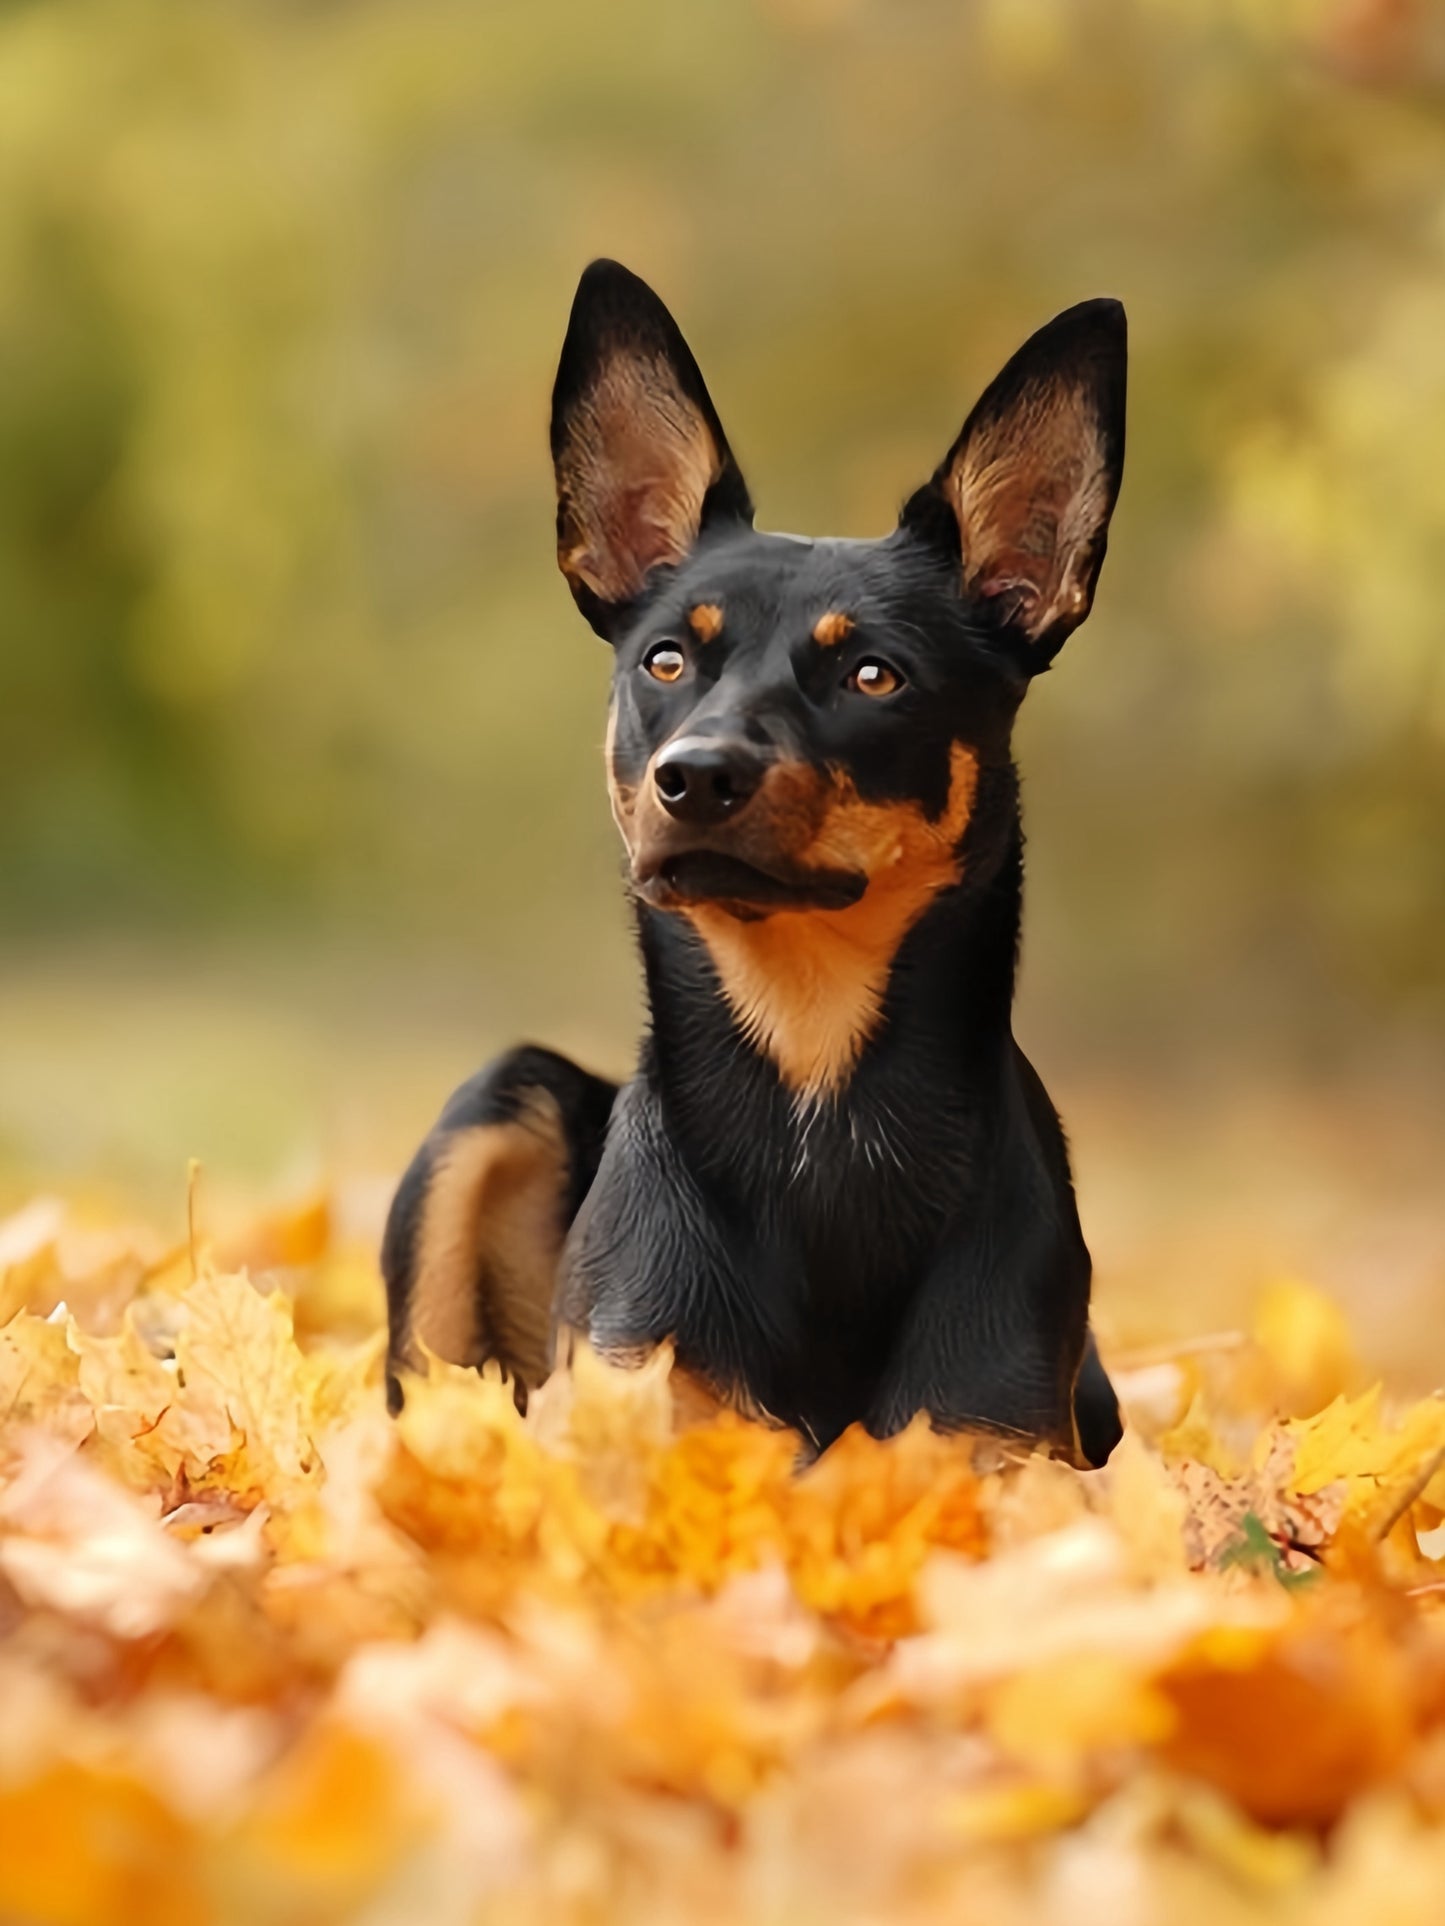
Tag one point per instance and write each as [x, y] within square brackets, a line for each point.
[642, 462]
[1028, 488]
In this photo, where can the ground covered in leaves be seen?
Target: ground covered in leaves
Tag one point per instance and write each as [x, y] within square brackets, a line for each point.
[267, 1656]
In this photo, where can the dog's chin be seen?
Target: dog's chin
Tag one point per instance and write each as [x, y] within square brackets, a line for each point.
[700, 877]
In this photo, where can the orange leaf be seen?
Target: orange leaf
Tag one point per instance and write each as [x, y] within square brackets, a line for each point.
[1292, 1725]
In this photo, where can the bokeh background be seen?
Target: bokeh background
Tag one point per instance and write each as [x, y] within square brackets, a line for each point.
[301, 810]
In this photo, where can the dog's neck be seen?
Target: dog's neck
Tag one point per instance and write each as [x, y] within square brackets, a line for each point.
[834, 1010]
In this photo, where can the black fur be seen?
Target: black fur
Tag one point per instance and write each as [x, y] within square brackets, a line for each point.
[905, 1239]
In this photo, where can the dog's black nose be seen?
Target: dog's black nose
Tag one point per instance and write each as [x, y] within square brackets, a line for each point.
[702, 779]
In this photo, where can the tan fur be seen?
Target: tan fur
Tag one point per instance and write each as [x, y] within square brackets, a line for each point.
[1031, 492]
[807, 986]
[490, 1237]
[706, 621]
[637, 465]
[831, 629]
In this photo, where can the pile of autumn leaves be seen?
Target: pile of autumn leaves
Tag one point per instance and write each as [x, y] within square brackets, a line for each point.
[267, 1656]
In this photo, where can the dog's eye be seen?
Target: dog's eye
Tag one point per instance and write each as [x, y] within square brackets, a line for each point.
[873, 678]
[664, 662]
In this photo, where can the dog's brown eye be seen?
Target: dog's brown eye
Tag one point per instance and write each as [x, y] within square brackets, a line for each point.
[664, 662]
[875, 679]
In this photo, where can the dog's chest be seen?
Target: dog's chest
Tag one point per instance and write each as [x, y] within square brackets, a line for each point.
[857, 1197]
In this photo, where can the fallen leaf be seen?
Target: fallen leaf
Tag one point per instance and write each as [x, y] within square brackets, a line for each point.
[1306, 1344]
[1291, 1723]
[40, 1383]
[240, 1379]
[76, 1542]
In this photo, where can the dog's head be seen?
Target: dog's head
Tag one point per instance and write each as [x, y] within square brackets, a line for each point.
[797, 724]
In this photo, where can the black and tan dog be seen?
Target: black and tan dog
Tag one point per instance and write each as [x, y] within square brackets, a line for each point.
[835, 1180]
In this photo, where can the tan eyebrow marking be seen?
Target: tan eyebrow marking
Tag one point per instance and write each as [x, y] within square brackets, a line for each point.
[705, 621]
[831, 628]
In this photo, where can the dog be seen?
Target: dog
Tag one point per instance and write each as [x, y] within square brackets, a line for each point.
[835, 1183]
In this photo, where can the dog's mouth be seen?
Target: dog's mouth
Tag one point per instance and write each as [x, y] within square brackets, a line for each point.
[708, 876]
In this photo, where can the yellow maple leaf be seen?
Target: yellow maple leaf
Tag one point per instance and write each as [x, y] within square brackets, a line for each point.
[1381, 1463]
[129, 1390]
[40, 1381]
[241, 1386]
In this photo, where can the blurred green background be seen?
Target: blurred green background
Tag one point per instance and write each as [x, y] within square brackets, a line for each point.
[301, 807]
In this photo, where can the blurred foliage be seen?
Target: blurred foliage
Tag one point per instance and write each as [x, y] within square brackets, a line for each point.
[281, 286]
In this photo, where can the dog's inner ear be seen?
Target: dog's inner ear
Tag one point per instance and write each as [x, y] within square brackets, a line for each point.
[1033, 478]
[632, 477]
[640, 457]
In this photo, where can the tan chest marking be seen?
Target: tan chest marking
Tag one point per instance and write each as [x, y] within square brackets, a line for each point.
[490, 1236]
[807, 986]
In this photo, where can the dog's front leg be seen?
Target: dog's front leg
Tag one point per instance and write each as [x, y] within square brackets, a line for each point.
[993, 1339]
[652, 1258]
